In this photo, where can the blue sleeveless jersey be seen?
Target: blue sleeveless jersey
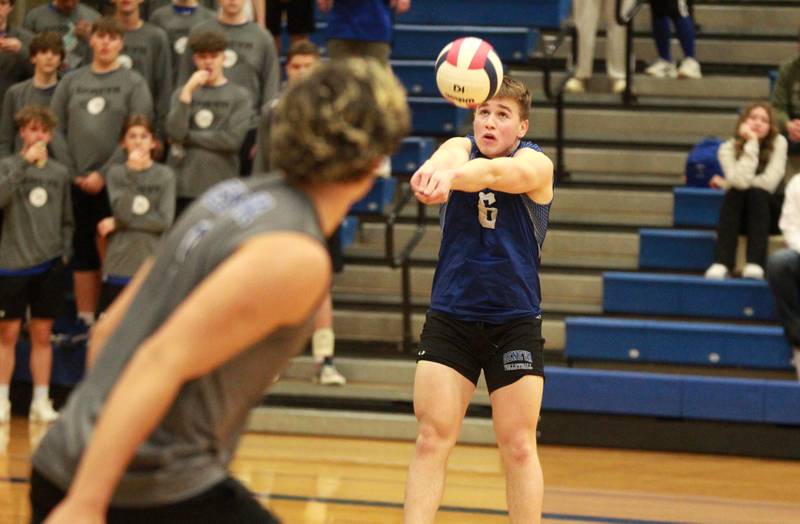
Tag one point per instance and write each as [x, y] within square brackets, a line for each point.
[489, 258]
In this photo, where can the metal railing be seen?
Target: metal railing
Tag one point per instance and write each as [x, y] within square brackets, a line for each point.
[627, 19]
[403, 259]
[551, 45]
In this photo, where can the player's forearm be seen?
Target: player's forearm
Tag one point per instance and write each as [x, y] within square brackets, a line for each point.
[475, 175]
[144, 393]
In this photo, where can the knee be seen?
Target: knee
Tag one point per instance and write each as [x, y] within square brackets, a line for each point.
[518, 448]
[40, 336]
[8, 336]
[435, 439]
[780, 263]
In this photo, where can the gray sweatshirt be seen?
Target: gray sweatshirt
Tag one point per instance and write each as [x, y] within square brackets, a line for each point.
[177, 24]
[146, 50]
[195, 440]
[143, 205]
[250, 61]
[149, 7]
[15, 67]
[47, 18]
[37, 213]
[18, 96]
[91, 110]
[207, 135]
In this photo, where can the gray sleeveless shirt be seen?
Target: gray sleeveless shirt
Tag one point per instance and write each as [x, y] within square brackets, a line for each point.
[190, 449]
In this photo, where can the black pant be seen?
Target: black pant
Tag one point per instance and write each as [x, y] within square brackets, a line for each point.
[783, 274]
[748, 211]
[225, 503]
[245, 161]
[670, 8]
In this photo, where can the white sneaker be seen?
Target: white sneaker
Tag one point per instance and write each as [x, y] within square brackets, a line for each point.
[5, 411]
[753, 271]
[717, 271]
[662, 69]
[328, 375]
[575, 85]
[42, 411]
[690, 68]
[618, 86]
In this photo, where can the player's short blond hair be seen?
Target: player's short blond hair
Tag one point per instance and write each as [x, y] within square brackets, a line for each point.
[517, 91]
[334, 123]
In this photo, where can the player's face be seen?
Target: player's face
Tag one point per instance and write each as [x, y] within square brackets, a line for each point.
[758, 121]
[232, 7]
[46, 61]
[498, 127]
[299, 65]
[211, 62]
[138, 138]
[127, 6]
[5, 10]
[65, 6]
[105, 47]
[33, 132]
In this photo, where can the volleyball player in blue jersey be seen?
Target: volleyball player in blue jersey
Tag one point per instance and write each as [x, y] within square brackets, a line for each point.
[496, 189]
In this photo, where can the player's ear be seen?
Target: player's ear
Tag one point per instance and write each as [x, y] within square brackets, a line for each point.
[523, 128]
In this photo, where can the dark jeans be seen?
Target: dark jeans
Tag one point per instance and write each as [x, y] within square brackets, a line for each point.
[748, 211]
[783, 275]
[225, 503]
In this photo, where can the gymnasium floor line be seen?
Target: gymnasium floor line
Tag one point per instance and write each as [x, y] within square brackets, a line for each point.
[457, 509]
[397, 505]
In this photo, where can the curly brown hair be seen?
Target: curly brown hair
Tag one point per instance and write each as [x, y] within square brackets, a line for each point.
[334, 123]
[765, 145]
[36, 113]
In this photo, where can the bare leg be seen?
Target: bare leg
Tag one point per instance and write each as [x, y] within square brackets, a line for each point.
[9, 332]
[87, 290]
[41, 350]
[441, 397]
[515, 412]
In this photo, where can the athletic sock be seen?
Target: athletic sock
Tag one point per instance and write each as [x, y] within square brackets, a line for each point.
[4, 389]
[40, 393]
[661, 34]
[87, 317]
[684, 28]
[322, 343]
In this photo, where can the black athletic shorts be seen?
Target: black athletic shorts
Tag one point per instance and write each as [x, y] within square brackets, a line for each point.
[335, 250]
[299, 16]
[108, 294]
[225, 503]
[44, 293]
[672, 8]
[505, 352]
[88, 211]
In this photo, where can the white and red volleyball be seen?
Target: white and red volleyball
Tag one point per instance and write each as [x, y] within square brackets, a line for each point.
[468, 72]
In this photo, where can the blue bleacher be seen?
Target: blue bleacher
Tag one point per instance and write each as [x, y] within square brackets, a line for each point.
[673, 396]
[538, 13]
[697, 207]
[422, 42]
[435, 116]
[378, 199]
[411, 154]
[684, 250]
[684, 343]
[418, 76]
[687, 296]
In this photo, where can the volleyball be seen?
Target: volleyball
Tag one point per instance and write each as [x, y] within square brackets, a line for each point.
[468, 72]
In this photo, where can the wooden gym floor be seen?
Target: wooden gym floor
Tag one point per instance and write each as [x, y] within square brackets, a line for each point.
[335, 480]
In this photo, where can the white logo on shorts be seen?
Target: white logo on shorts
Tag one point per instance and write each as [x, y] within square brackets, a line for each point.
[37, 197]
[140, 205]
[125, 61]
[180, 45]
[204, 118]
[96, 105]
[230, 58]
[516, 360]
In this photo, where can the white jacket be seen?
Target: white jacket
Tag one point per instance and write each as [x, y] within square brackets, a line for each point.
[741, 173]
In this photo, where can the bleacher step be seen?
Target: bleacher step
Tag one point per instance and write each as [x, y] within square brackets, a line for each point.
[701, 344]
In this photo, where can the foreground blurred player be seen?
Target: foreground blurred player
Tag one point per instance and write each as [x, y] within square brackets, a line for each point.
[244, 271]
[496, 189]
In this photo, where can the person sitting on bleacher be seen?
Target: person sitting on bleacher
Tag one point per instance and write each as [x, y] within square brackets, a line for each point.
[786, 100]
[753, 162]
[783, 270]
